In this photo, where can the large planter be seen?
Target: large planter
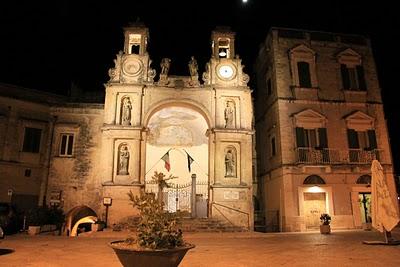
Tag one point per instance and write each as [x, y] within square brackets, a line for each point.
[130, 257]
[325, 229]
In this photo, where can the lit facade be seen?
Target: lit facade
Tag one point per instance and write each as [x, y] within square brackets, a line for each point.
[319, 123]
[88, 151]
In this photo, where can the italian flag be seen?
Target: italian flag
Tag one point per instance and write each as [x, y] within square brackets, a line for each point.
[165, 158]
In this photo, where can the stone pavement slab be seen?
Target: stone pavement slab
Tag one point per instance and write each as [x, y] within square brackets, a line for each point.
[341, 248]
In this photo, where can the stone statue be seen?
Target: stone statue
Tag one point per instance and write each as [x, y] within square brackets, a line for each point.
[126, 113]
[165, 63]
[123, 160]
[229, 164]
[229, 115]
[206, 74]
[193, 67]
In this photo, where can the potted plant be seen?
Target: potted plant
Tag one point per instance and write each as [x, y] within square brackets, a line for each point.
[325, 227]
[158, 241]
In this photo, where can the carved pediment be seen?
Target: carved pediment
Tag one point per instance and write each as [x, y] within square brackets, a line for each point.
[309, 118]
[360, 121]
[301, 51]
[348, 57]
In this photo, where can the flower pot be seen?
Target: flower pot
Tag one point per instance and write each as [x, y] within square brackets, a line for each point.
[155, 258]
[325, 229]
[33, 230]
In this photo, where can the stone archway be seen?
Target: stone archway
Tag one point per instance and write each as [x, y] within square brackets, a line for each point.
[177, 145]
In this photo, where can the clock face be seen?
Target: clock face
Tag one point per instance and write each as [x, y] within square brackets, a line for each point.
[226, 72]
[132, 67]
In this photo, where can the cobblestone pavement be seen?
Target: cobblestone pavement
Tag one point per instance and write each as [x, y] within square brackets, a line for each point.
[341, 248]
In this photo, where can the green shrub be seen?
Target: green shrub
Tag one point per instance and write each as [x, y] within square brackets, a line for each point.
[157, 228]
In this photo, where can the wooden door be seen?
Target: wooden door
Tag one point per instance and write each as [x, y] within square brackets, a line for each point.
[314, 206]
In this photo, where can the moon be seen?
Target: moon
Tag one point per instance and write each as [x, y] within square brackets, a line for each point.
[244, 1]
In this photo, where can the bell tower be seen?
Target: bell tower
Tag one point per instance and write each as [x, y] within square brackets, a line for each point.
[136, 37]
[133, 64]
[224, 67]
[223, 43]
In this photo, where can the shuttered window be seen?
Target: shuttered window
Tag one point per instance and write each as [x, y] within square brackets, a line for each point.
[304, 74]
[313, 138]
[353, 78]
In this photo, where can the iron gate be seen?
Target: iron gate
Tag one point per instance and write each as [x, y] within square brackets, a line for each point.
[177, 197]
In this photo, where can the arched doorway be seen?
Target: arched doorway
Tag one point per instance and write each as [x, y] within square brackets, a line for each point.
[177, 145]
[314, 201]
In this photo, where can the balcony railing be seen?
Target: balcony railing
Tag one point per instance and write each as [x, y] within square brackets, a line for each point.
[335, 156]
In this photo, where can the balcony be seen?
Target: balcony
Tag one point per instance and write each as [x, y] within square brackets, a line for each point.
[334, 156]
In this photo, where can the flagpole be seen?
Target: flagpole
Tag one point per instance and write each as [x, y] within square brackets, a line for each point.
[157, 162]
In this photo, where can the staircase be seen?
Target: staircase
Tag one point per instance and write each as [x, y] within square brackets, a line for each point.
[208, 225]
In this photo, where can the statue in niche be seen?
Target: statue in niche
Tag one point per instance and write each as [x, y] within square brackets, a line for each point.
[126, 113]
[230, 164]
[123, 160]
[165, 63]
[229, 115]
[193, 67]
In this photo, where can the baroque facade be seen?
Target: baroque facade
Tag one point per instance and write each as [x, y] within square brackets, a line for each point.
[81, 153]
[319, 124]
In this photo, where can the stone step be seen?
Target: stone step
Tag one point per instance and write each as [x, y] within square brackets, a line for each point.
[187, 225]
[207, 225]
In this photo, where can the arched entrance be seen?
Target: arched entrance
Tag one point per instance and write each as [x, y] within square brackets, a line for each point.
[177, 145]
[315, 201]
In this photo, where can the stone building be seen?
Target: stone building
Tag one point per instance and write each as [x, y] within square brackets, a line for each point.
[71, 153]
[319, 123]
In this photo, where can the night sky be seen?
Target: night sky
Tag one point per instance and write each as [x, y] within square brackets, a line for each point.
[48, 46]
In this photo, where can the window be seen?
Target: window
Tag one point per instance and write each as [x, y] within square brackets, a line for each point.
[28, 172]
[303, 67]
[135, 49]
[312, 145]
[362, 139]
[66, 144]
[273, 146]
[314, 179]
[223, 48]
[362, 145]
[353, 78]
[269, 87]
[311, 138]
[304, 74]
[364, 179]
[134, 43]
[32, 138]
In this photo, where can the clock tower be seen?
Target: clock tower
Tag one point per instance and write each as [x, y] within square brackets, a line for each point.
[133, 64]
[224, 67]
